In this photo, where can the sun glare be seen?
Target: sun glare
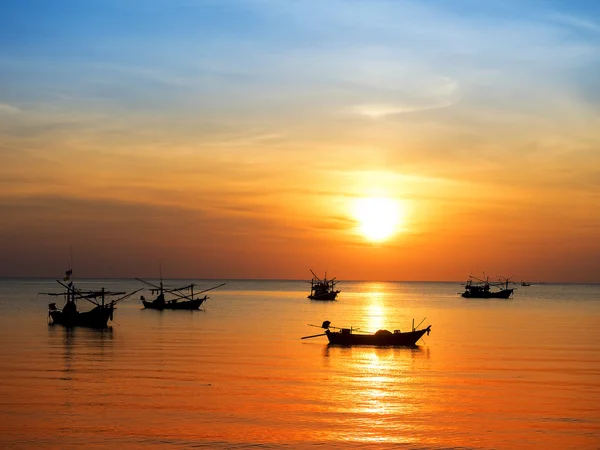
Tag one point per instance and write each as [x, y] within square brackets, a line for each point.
[379, 218]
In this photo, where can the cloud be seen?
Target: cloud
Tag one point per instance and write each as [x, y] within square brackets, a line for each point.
[575, 22]
[8, 109]
[376, 111]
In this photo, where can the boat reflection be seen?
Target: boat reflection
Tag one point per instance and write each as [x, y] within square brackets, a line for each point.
[376, 353]
[80, 347]
[87, 337]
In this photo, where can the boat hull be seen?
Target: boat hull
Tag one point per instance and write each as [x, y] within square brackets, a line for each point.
[95, 318]
[174, 304]
[324, 296]
[382, 338]
[504, 293]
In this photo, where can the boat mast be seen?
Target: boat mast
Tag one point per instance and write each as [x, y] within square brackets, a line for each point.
[160, 274]
[70, 272]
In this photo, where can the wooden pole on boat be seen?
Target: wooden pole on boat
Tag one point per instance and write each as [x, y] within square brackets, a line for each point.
[210, 289]
[314, 335]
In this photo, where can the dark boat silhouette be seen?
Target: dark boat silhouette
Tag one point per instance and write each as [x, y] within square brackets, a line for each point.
[182, 299]
[483, 288]
[348, 336]
[97, 317]
[322, 289]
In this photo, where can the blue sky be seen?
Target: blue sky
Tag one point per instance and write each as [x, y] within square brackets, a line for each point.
[256, 67]
[185, 39]
[157, 51]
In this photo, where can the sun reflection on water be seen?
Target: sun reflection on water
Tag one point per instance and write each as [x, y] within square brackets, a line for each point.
[376, 311]
[383, 391]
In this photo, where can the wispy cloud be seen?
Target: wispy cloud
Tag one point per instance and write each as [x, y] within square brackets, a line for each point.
[376, 111]
[575, 22]
[8, 109]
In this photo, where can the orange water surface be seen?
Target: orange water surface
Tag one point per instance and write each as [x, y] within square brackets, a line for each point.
[493, 374]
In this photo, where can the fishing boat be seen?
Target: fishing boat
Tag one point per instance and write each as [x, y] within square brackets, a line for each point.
[525, 283]
[185, 297]
[97, 317]
[322, 289]
[484, 288]
[348, 336]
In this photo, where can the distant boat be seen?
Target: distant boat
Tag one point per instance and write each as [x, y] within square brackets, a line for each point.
[322, 289]
[97, 317]
[478, 288]
[347, 336]
[184, 296]
[524, 283]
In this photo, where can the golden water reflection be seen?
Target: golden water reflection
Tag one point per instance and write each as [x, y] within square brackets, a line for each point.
[380, 384]
[376, 311]
[384, 393]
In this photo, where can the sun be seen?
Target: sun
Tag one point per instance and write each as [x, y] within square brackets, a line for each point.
[379, 218]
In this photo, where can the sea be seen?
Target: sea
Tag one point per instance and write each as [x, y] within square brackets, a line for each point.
[522, 373]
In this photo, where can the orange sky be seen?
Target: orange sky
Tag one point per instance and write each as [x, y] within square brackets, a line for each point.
[244, 158]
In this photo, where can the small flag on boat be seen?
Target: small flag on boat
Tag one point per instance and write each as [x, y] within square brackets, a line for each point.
[68, 275]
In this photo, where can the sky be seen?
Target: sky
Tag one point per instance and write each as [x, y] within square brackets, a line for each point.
[236, 139]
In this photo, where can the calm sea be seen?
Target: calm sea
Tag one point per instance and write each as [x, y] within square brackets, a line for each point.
[493, 374]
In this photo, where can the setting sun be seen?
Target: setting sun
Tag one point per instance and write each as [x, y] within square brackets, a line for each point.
[379, 218]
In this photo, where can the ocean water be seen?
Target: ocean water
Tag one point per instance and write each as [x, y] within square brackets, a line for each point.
[493, 374]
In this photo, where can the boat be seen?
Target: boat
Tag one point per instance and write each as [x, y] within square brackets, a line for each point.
[322, 289]
[484, 288]
[184, 296]
[97, 317]
[525, 283]
[382, 338]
